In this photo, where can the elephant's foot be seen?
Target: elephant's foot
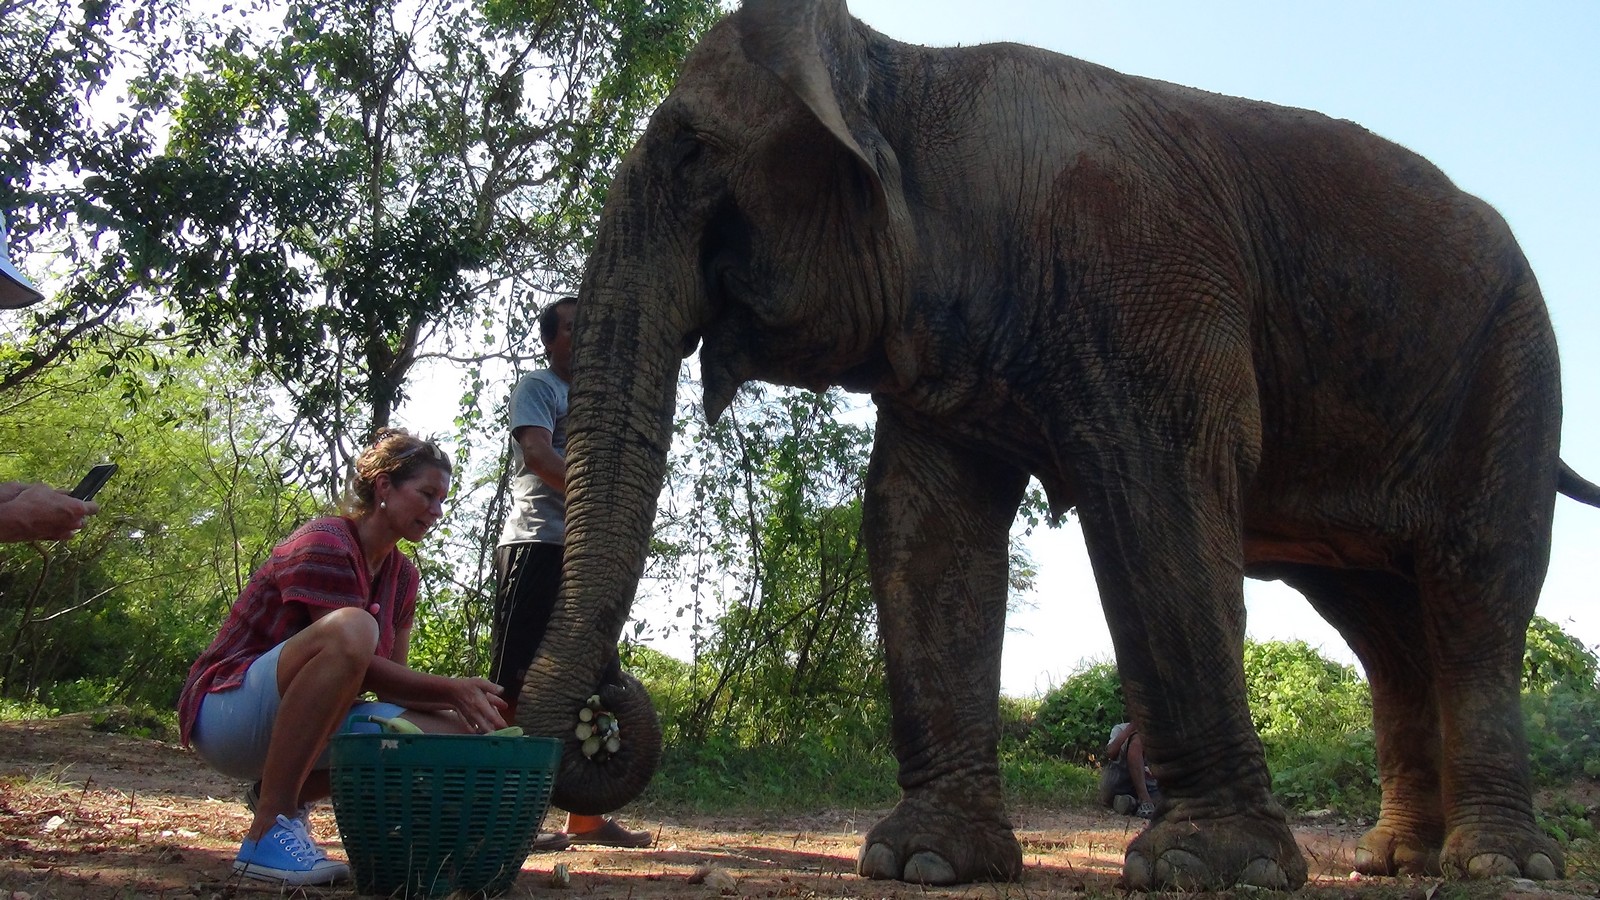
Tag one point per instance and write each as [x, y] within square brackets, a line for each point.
[926, 844]
[1178, 852]
[1485, 852]
[1389, 849]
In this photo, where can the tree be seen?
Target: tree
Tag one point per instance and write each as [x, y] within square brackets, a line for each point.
[765, 524]
[331, 193]
[62, 126]
[758, 540]
[346, 188]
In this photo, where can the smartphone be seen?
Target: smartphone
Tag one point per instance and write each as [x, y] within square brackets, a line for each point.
[94, 481]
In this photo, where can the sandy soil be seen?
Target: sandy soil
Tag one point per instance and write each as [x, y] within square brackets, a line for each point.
[87, 814]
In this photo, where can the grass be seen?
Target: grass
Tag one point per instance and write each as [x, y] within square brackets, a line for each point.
[722, 777]
[1583, 859]
[13, 710]
[809, 775]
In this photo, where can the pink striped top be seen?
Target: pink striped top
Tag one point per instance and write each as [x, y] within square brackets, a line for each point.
[320, 565]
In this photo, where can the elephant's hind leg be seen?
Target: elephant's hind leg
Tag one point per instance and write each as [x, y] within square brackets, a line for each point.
[1480, 564]
[1380, 617]
[937, 523]
[1476, 628]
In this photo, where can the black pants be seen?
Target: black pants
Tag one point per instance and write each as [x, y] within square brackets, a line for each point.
[528, 577]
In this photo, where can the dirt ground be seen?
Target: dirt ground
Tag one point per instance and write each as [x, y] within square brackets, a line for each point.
[89, 814]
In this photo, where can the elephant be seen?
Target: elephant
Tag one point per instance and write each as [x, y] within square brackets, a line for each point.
[1239, 339]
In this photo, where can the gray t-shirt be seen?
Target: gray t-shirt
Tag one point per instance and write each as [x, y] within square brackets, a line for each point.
[538, 511]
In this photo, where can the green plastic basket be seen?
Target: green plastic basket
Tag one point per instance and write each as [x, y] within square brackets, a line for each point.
[423, 815]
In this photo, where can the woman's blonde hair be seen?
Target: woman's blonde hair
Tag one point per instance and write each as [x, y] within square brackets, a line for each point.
[394, 452]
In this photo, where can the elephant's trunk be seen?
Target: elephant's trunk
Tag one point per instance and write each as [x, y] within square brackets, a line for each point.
[627, 344]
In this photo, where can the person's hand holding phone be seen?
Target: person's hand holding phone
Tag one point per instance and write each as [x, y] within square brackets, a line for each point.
[39, 512]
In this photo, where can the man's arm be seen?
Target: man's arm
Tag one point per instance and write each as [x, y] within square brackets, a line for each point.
[540, 456]
[1114, 749]
[38, 512]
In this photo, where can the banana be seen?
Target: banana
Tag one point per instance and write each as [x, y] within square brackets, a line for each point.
[396, 725]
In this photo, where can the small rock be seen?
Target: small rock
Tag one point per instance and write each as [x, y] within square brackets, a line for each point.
[715, 878]
[723, 883]
[560, 876]
[52, 823]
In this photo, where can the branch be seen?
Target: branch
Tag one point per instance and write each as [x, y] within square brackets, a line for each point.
[71, 609]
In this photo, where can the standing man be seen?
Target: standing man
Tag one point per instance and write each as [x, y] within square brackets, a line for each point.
[528, 558]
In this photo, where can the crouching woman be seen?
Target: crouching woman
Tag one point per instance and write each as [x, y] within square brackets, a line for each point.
[327, 618]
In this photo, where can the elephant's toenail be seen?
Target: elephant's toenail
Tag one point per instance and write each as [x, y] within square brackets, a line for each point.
[928, 867]
[1181, 870]
[1489, 865]
[878, 861]
[1265, 873]
[1137, 873]
[1541, 868]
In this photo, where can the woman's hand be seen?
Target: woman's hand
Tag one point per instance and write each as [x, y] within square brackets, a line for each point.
[438, 703]
[477, 702]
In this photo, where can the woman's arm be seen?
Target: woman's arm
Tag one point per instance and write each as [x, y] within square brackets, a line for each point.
[476, 701]
[402, 645]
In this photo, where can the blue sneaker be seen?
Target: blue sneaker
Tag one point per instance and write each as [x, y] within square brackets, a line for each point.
[287, 854]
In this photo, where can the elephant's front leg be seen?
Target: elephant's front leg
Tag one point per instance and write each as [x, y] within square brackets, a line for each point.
[937, 524]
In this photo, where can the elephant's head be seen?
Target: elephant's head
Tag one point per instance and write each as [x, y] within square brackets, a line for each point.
[699, 242]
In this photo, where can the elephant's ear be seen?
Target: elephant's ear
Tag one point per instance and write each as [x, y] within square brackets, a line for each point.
[817, 51]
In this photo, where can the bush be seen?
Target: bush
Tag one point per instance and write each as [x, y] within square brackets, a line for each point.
[1018, 718]
[1563, 728]
[1032, 778]
[1295, 692]
[1075, 719]
[1322, 772]
[1554, 658]
[668, 681]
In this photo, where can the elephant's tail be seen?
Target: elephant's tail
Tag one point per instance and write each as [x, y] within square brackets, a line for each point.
[1577, 487]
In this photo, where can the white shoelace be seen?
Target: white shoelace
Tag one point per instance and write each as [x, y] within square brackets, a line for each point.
[298, 842]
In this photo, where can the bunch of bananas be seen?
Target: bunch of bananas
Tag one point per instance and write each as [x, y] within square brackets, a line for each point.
[599, 731]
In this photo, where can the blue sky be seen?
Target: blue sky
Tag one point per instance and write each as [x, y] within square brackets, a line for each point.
[1505, 98]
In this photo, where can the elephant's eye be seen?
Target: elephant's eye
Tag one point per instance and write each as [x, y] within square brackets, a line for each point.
[686, 149]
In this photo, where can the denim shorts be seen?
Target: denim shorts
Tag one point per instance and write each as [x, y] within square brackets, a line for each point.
[234, 727]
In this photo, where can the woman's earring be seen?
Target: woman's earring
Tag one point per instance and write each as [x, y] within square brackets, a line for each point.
[383, 504]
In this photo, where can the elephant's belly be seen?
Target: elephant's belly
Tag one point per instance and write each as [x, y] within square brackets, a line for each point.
[1263, 551]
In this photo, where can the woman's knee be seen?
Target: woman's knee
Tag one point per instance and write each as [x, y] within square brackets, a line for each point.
[349, 632]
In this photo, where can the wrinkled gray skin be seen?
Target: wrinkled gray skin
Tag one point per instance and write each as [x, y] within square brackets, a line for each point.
[1240, 339]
